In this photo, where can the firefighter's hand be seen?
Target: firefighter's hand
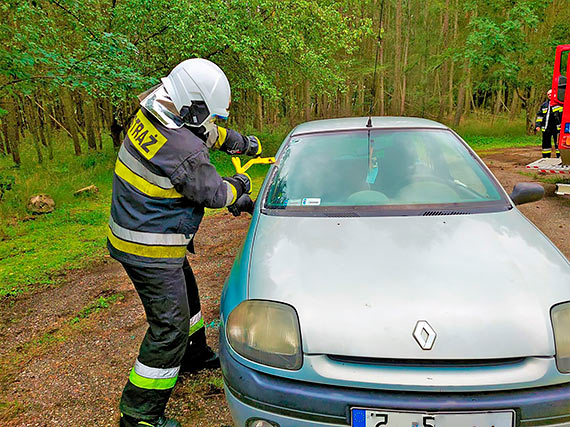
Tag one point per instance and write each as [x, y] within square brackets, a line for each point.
[254, 149]
[537, 129]
[243, 204]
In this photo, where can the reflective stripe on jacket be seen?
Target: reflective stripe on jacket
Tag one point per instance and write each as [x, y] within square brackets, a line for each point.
[163, 181]
[549, 118]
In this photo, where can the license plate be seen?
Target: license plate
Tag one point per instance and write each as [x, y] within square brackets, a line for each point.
[379, 418]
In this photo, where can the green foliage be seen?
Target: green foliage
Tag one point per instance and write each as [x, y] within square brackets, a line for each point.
[496, 42]
[115, 49]
[6, 184]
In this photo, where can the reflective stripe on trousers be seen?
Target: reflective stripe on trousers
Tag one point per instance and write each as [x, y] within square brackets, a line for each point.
[196, 322]
[153, 378]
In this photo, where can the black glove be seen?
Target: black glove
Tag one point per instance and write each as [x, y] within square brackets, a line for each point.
[241, 182]
[243, 204]
[254, 149]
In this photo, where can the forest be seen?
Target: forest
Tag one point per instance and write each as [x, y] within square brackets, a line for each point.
[70, 70]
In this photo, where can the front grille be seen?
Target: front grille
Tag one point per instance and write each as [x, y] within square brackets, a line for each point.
[428, 363]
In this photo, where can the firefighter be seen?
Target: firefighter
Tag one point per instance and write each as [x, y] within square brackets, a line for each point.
[548, 120]
[163, 181]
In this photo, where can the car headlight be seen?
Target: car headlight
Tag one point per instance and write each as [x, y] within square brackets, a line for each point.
[561, 323]
[266, 332]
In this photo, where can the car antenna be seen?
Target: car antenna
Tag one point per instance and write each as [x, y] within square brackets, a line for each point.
[372, 162]
[378, 41]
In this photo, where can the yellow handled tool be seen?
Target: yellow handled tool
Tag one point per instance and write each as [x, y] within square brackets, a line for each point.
[236, 161]
[242, 169]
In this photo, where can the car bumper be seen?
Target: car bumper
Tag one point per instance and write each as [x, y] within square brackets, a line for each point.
[253, 394]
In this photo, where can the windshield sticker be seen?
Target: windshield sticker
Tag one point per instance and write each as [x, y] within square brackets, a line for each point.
[294, 202]
[311, 201]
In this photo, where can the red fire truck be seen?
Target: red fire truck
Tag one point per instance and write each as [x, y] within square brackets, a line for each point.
[559, 78]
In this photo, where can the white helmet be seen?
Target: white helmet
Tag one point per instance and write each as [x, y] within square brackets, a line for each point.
[199, 90]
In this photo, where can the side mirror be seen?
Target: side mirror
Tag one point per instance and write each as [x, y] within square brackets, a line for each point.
[527, 192]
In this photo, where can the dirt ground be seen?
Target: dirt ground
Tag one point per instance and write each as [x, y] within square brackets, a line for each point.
[63, 362]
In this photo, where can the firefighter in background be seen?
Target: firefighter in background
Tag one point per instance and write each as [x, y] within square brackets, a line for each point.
[163, 181]
[548, 121]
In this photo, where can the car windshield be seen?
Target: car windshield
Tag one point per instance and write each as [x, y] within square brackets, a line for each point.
[394, 168]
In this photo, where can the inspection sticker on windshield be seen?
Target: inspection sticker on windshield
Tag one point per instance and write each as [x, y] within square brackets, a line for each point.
[375, 418]
[311, 201]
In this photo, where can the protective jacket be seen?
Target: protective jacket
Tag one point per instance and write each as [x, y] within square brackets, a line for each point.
[163, 181]
[549, 118]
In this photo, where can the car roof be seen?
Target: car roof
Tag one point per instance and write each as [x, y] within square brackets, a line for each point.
[351, 123]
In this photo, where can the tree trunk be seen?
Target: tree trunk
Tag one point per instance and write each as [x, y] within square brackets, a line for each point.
[460, 103]
[116, 129]
[515, 106]
[13, 134]
[307, 93]
[380, 92]
[68, 111]
[531, 106]
[326, 106]
[361, 108]
[406, 49]
[445, 67]
[89, 118]
[259, 112]
[396, 96]
[498, 99]
[347, 101]
[34, 127]
[5, 131]
[452, 62]
[45, 133]
[98, 123]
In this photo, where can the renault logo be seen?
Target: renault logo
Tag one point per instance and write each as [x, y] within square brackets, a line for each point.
[424, 335]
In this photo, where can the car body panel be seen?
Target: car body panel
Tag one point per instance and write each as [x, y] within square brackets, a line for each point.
[360, 285]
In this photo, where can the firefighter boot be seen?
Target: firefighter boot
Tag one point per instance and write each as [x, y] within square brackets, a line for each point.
[204, 358]
[198, 354]
[127, 421]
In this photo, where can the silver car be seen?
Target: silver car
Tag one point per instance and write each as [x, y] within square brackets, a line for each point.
[387, 279]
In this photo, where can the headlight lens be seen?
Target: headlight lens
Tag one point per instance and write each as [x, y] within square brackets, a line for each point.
[266, 332]
[561, 323]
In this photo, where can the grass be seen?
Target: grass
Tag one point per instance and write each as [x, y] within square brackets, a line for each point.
[483, 135]
[38, 250]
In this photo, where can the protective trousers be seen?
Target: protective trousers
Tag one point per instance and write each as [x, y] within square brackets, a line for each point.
[175, 332]
[547, 145]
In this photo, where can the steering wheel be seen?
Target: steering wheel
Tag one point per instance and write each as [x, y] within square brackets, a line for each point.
[367, 197]
[428, 189]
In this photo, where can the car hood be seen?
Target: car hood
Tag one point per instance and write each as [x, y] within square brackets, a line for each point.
[485, 283]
